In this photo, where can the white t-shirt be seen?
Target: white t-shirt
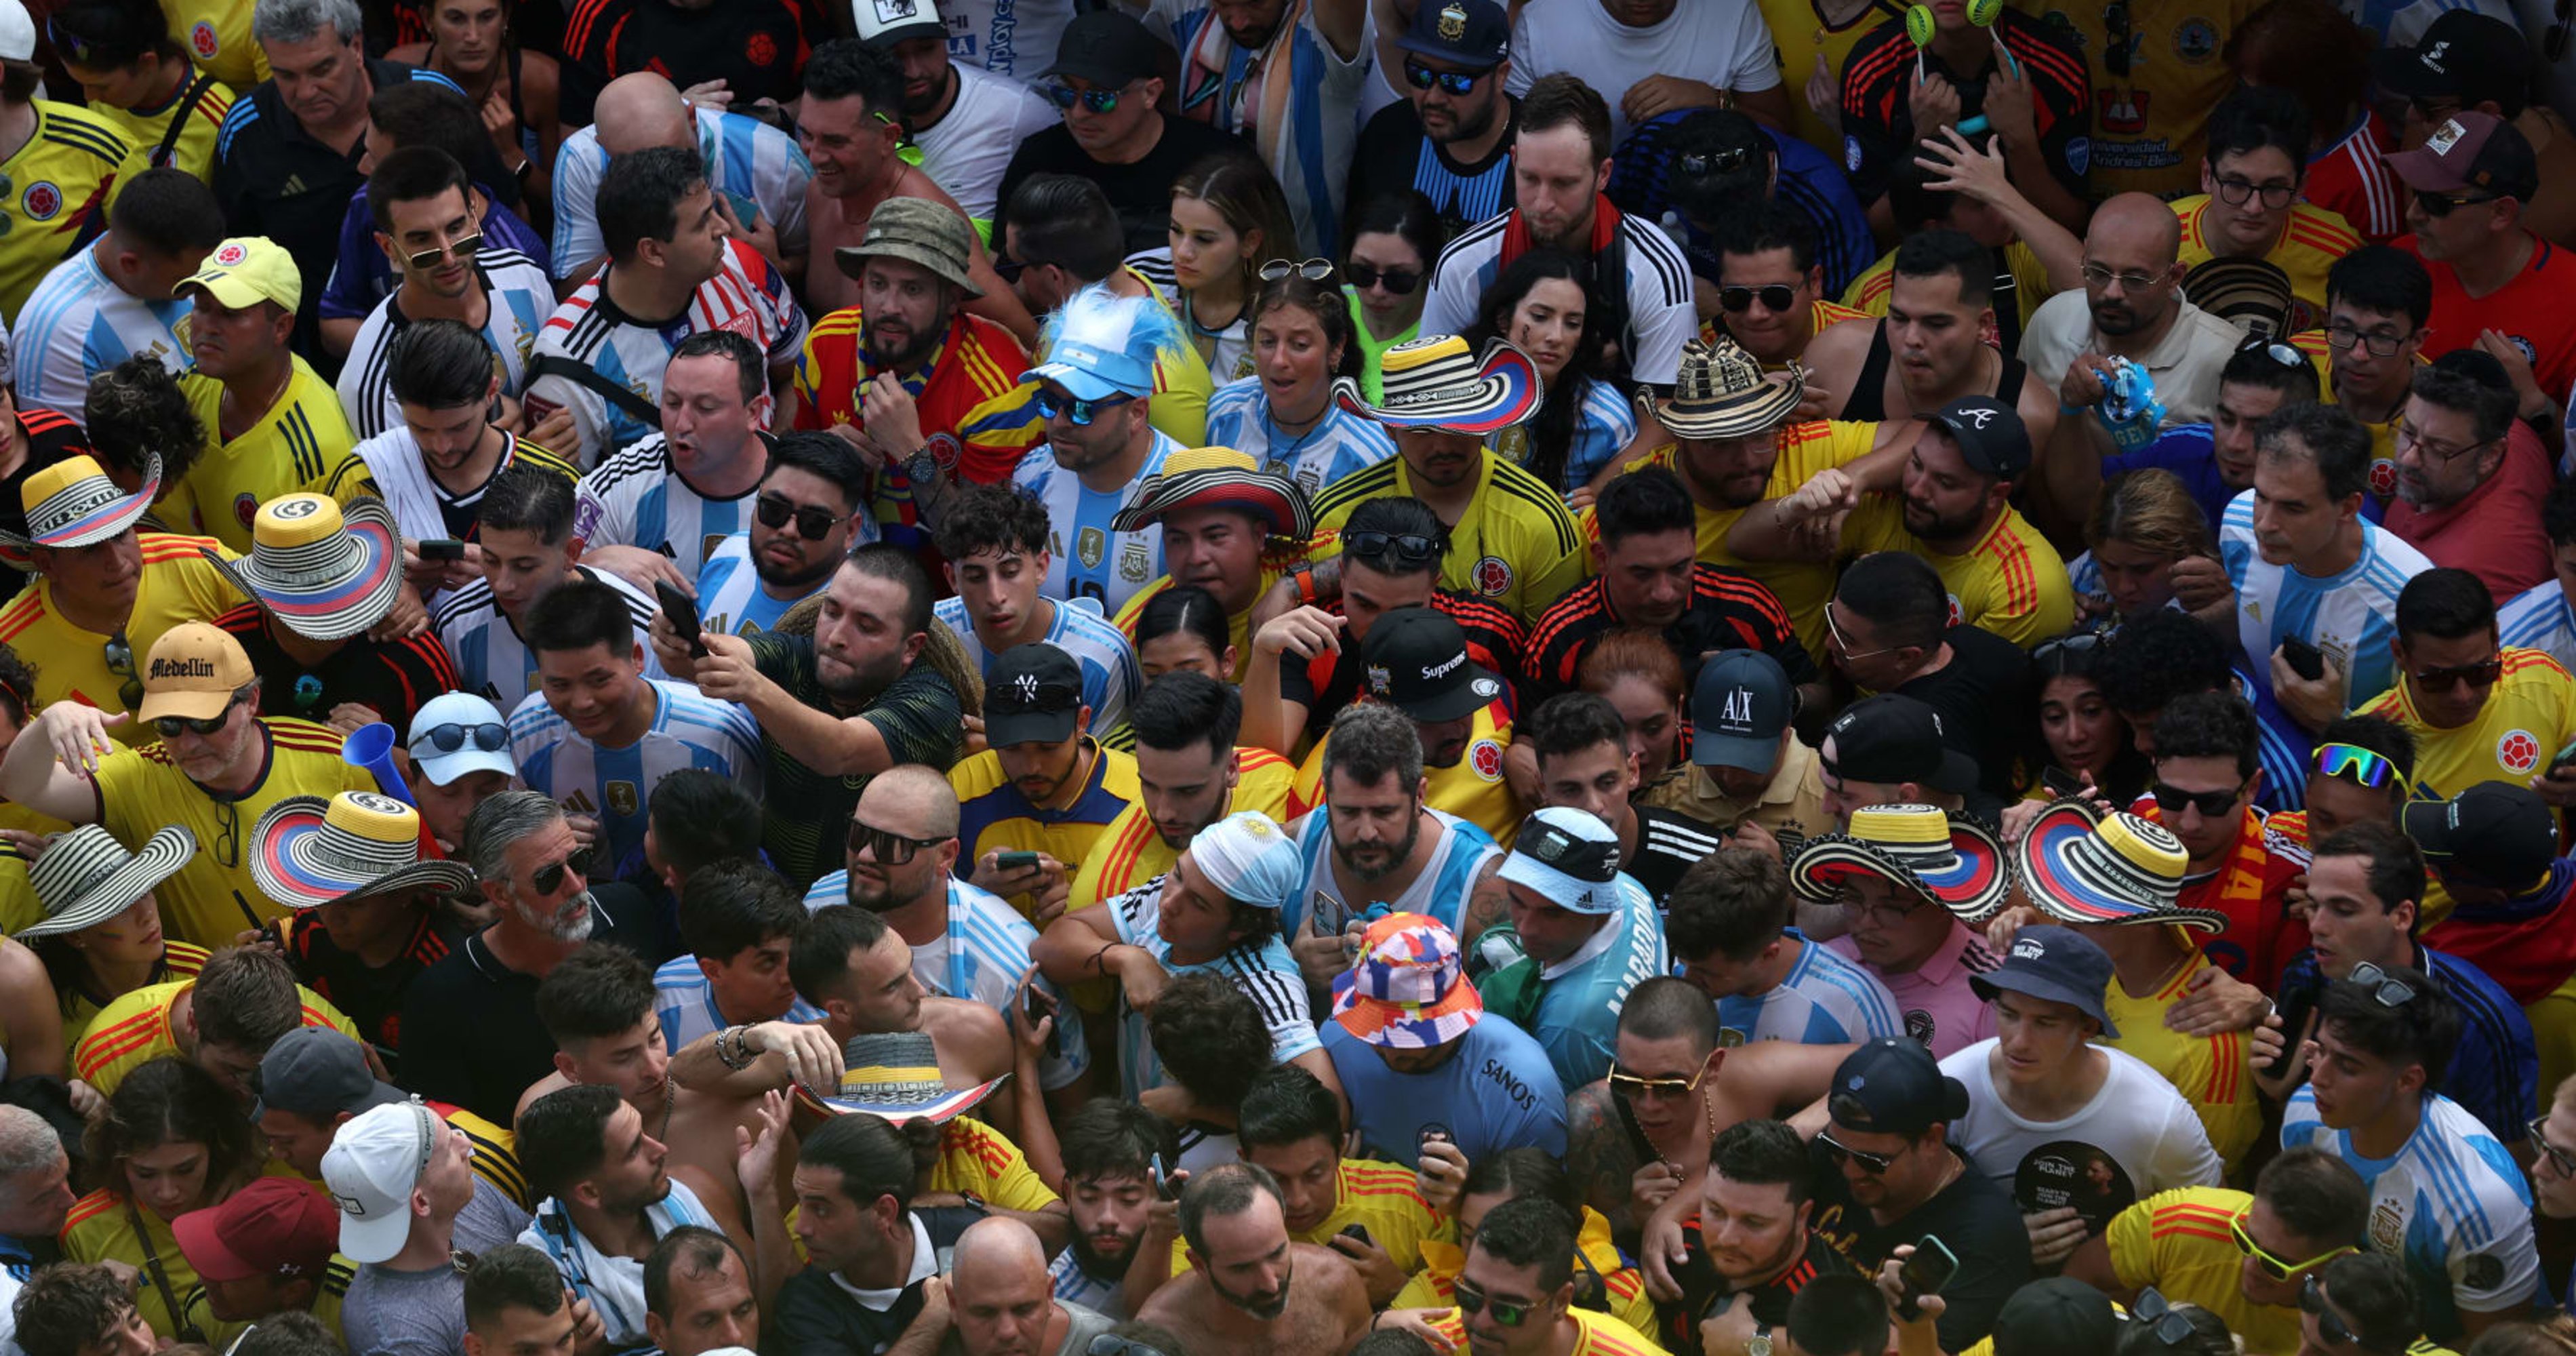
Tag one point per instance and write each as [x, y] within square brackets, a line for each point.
[966, 151]
[1719, 42]
[2135, 1138]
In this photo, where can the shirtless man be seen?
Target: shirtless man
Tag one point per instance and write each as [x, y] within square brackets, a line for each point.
[859, 972]
[1931, 348]
[1250, 1290]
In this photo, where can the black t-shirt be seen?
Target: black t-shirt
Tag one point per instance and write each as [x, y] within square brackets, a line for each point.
[1330, 681]
[815, 1314]
[1978, 695]
[757, 47]
[1142, 192]
[396, 678]
[1972, 1216]
[1393, 155]
[1668, 844]
[807, 813]
[1878, 119]
[1677, 1324]
[371, 996]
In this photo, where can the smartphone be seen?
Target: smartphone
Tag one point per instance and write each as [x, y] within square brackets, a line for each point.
[2304, 659]
[2563, 758]
[1163, 1181]
[1931, 1267]
[2062, 785]
[1015, 861]
[1431, 1137]
[1034, 1005]
[683, 612]
[1360, 1232]
[441, 548]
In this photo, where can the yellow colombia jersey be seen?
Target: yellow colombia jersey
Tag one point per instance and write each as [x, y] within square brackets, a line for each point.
[1378, 1197]
[1595, 1334]
[1129, 853]
[2314, 238]
[1471, 788]
[216, 34]
[1868, 292]
[291, 449]
[19, 907]
[977, 1160]
[326, 1304]
[2152, 95]
[1622, 1288]
[993, 814]
[213, 897]
[178, 585]
[2213, 1073]
[54, 193]
[2530, 714]
[2011, 582]
[195, 151]
[179, 960]
[102, 1228]
[1516, 547]
[496, 1153]
[1798, 35]
[1801, 586]
[2178, 1242]
[135, 1029]
[1819, 315]
[1274, 566]
[351, 477]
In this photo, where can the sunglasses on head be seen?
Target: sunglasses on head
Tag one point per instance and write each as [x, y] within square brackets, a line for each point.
[1079, 413]
[120, 662]
[2331, 1329]
[1775, 297]
[2211, 804]
[1400, 281]
[2386, 992]
[463, 247]
[2365, 768]
[550, 878]
[1450, 82]
[490, 737]
[71, 46]
[2272, 1266]
[1837, 1152]
[1066, 96]
[1312, 270]
[2280, 354]
[887, 847]
[812, 523]
[2443, 204]
[2484, 673]
[2154, 1312]
[1713, 162]
[1401, 548]
[1507, 1313]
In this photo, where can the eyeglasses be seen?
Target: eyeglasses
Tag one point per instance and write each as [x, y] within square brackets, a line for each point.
[1079, 413]
[1312, 270]
[888, 848]
[2211, 804]
[1774, 296]
[227, 831]
[1400, 548]
[1450, 82]
[2386, 992]
[2272, 1266]
[2279, 353]
[1713, 162]
[120, 662]
[2234, 192]
[1836, 1151]
[489, 737]
[1066, 96]
[2365, 768]
[2484, 673]
[1630, 1085]
[2152, 1310]
[1472, 1300]
[462, 247]
[2443, 204]
[1399, 281]
[2406, 437]
[812, 523]
[2376, 343]
[550, 878]
[2096, 275]
[1843, 642]
[2565, 1159]
[1861, 910]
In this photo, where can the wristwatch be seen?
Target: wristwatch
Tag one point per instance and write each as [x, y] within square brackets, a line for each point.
[1760, 1345]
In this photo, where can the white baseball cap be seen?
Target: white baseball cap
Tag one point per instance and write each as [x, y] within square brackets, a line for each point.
[375, 1160]
[449, 734]
[17, 32]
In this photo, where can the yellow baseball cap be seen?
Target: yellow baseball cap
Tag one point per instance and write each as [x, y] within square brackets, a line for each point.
[193, 672]
[246, 269]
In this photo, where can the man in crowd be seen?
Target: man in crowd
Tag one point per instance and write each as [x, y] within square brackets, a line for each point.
[319, 578]
[525, 519]
[1249, 1282]
[1456, 114]
[812, 507]
[2253, 167]
[753, 166]
[658, 508]
[1375, 836]
[1730, 934]
[1751, 1247]
[2496, 285]
[1103, 391]
[2492, 851]
[1189, 774]
[1219, 513]
[966, 120]
[1583, 759]
[1748, 767]
[1889, 629]
[874, 1258]
[2215, 458]
[698, 1295]
[2471, 704]
[113, 300]
[1931, 347]
[1046, 787]
[1002, 556]
[272, 426]
[408, 1199]
[2132, 308]
[1111, 1186]
[1901, 910]
[1549, 968]
[2462, 458]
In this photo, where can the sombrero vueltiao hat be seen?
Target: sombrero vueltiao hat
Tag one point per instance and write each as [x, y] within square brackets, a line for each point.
[2254, 295]
[1721, 392]
[86, 877]
[895, 1074]
[73, 503]
[307, 851]
[1219, 477]
[2079, 864]
[1952, 861]
[1436, 382]
[327, 572]
[1408, 990]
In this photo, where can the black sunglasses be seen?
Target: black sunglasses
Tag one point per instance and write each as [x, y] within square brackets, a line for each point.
[464, 247]
[1696, 163]
[120, 662]
[2485, 673]
[889, 848]
[2331, 1329]
[171, 726]
[1401, 548]
[550, 878]
[1450, 82]
[2211, 804]
[2443, 204]
[1775, 297]
[2386, 992]
[1836, 1152]
[490, 737]
[1399, 281]
[813, 524]
[2171, 1326]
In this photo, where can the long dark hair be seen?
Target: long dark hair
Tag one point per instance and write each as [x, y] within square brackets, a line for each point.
[1551, 429]
[2078, 655]
[1324, 300]
[1404, 214]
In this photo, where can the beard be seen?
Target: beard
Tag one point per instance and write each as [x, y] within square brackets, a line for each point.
[570, 924]
[1099, 1265]
[796, 580]
[882, 355]
[1397, 856]
[1931, 526]
[1263, 1307]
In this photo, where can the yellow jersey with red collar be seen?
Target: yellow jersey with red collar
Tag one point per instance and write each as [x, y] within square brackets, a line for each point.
[2383, 435]
[177, 585]
[54, 193]
[179, 960]
[2011, 582]
[194, 151]
[2213, 1073]
[2310, 242]
[1129, 852]
[1378, 1197]
[2529, 715]
[1472, 788]
[136, 1029]
[1517, 545]
[1621, 1287]
[2250, 887]
[292, 449]
[100, 1227]
[1820, 312]
[216, 35]
[1275, 565]
[2156, 72]
[1801, 586]
[2178, 1241]
[994, 816]
[979, 1161]
[1596, 1334]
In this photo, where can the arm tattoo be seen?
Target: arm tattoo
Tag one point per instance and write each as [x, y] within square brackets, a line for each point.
[1599, 1156]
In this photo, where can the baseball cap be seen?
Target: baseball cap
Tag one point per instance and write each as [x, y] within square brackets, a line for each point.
[1473, 33]
[1740, 703]
[1990, 434]
[17, 32]
[2053, 1316]
[2463, 55]
[247, 269]
[2494, 833]
[2057, 964]
[2472, 150]
[317, 1073]
[1034, 696]
[275, 1226]
[1415, 659]
[192, 672]
[1894, 738]
[1893, 1086]
[468, 713]
[883, 23]
[1108, 48]
[374, 1162]
[1570, 857]
[1716, 160]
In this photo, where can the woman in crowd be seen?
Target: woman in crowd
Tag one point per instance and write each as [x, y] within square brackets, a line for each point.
[1539, 303]
[171, 1141]
[1184, 627]
[1394, 239]
[1636, 672]
[2141, 526]
[1228, 219]
[470, 42]
[103, 943]
[1286, 414]
[2075, 733]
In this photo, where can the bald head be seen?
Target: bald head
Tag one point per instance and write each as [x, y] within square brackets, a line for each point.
[912, 800]
[2135, 225]
[996, 1252]
[1001, 1299]
[641, 110]
[2132, 269]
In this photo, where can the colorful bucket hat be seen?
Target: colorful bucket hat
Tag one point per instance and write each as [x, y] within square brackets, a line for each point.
[1219, 477]
[1721, 392]
[895, 1074]
[86, 877]
[1952, 861]
[307, 851]
[1437, 382]
[73, 503]
[2080, 864]
[1409, 989]
[327, 572]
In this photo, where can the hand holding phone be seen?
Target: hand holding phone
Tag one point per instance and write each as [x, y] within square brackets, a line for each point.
[683, 614]
[2304, 659]
[441, 549]
[1931, 1267]
[1016, 861]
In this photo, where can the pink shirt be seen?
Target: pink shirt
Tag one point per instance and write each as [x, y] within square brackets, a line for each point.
[2495, 533]
[1940, 1009]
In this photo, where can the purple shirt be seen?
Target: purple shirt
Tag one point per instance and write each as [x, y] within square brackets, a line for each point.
[1940, 1009]
[364, 276]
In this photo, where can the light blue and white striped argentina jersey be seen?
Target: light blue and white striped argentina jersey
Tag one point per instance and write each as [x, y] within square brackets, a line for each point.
[1073, 1285]
[1085, 559]
[638, 498]
[750, 162]
[2351, 617]
[983, 957]
[1110, 678]
[1266, 974]
[1823, 1000]
[521, 298]
[1603, 427]
[2450, 1202]
[1007, 37]
[2539, 618]
[688, 730]
[730, 598]
[78, 323]
[1238, 416]
[1458, 857]
[491, 659]
[684, 1000]
[1237, 90]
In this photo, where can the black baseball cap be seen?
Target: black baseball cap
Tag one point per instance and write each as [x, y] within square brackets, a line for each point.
[1475, 34]
[1716, 160]
[1415, 659]
[1894, 738]
[2059, 965]
[1740, 703]
[1109, 48]
[1034, 696]
[2494, 833]
[1893, 1086]
[1990, 434]
[2463, 55]
[2054, 1316]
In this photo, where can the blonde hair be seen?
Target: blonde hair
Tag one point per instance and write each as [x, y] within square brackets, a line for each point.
[2151, 510]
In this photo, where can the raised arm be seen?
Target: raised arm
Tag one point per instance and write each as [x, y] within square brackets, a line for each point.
[52, 765]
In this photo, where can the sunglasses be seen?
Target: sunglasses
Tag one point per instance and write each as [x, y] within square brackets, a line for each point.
[2211, 804]
[489, 737]
[1312, 270]
[889, 849]
[2481, 674]
[1775, 297]
[2565, 1159]
[2272, 1266]
[1630, 1085]
[1698, 163]
[120, 662]
[2078, 643]
[550, 878]
[1399, 281]
[1079, 413]
[2157, 1314]
[1507, 1313]
[1402, 548]
[2365, 768]
[813, 524]
[2443, 204]
[462, 247]
[1066, 96]
[2331, 1329]
[2387, 992]
[1836, 1152]
[171, 726]
[1450, 82]
[2281, 354]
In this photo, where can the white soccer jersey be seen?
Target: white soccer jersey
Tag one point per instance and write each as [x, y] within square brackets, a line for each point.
[637, 498]
[1086, 558]
[490, 657]
[77, 324]
[2538, 618]
[730, 598]
[1238, 416]
[966, 151]
[689, 729]
[1110, 679]
[522, 297]
[756, 166]
[1266, 974]
[1016, 38]
[1661, 315]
